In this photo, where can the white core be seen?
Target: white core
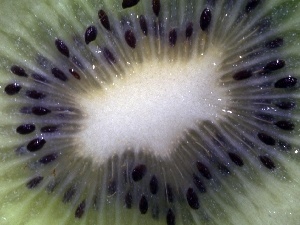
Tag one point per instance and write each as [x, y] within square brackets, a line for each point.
[151, 107]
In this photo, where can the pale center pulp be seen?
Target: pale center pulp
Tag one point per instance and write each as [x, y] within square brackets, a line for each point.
[151, 106]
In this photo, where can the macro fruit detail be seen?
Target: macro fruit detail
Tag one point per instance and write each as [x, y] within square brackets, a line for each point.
[149, 112]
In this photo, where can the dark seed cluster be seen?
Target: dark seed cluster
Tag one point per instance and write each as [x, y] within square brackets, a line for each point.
[143, 25]
[205, 19]
[18, 71]
[173, 37]
[25, 128]
[274, 65]
[48, 158]
[80, 210]
[267, 162]
[139, 172]
[199, 184]
[62, 47]
[251, 5]
[170, 217]
[104, 19]
[130, 38]
[36, 144]
[59, 74]
[287, 82]
[153, 185]
[34, 182]
[156, 7]
[204, 170]
[236, 159]
[129, 3]
[90, 34]
[192, 198]
[12, 89]
[189, 30]
[143, 205]
[266, 139]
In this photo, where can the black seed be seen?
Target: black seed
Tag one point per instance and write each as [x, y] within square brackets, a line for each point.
[69, 194]
[170, 217]
[35, 94]
[252, 4]
[268, 140]
[90, 34]
[36, 144]
[143, 205]
[128, 200]
[169, 193]
[205, 19]
[40, 111]
[156, 6]
[80, 210]
[267, 162]
[143, 25]
[34, 182]
[287, 82]
[189, 30]
[172, 37]
[18, 71]
[274, 65]
[130, 38]
[285, 125]
[75, 74]
[153, 185]
[199, 184]
[109, 56]
[286, 105]
[204, 170]
[192, 198]
[241, 75]
[49, 129]
[236, 159]
[138, 172]
[62, 47]
[12, 89]
[59, 74]
[278, 42]
[48, 158]
[104, 19]
[129, 3]
[39, 77]
[112, 187]
[26, 128]
[223, 169]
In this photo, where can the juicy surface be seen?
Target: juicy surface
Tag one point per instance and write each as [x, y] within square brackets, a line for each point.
[251, 195]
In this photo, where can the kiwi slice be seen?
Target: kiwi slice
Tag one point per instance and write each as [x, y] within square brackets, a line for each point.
[149, 112]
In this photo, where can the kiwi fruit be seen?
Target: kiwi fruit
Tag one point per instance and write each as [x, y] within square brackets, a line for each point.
[149, 112]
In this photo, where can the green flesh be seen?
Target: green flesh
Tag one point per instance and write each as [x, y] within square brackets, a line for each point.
[26, 30]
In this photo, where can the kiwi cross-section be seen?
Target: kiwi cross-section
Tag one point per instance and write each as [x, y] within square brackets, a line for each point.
[149, 112]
